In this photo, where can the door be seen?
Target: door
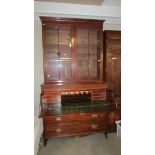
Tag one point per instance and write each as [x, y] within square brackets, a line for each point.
[88, 53]
[58, 54]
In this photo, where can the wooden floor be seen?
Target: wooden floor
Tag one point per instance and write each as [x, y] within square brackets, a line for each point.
[95, 144]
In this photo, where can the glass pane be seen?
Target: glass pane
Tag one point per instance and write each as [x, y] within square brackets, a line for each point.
[65, 65]
[82, 51]
[93, 66]
[52, 69]
[88, 51]
[82, 66]
[93, 37]
[82, 41]
[98, 52]
[66, 70]
[51, 47]
[51, 40]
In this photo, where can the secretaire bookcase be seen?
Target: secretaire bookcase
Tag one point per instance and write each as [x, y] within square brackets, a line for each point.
[74, 98]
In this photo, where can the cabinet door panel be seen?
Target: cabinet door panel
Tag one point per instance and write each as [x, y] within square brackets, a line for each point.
[58, 54]
[52, 71]
[113, 61]
[88, 53]
[82, 63]
[114, 71]
[65, 70]
[92, 66]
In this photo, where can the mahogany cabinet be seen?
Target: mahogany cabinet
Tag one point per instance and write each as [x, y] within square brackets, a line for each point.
[112, 52]
[74, 98]
[112, 70]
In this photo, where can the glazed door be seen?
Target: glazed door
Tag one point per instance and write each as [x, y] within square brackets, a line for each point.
[88, 53]
[113, 61]
[58, 54]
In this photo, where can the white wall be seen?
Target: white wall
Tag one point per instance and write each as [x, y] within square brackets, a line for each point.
[77, 9]
[38, 79]
[38, 65]
[108, 26]
[110, 14]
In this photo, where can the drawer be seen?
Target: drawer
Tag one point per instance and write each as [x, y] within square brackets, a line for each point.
[73, 128]
[51, 99]
[98, 95]
[72, 117]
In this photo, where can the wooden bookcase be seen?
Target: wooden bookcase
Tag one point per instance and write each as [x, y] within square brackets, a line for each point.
[75, 99]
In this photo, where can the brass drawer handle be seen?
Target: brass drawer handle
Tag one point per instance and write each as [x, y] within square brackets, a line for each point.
[58, 118]
[93, 126]
[94, 115]
[58, 130]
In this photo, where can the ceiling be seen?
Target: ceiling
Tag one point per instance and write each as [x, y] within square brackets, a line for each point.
[115, 3]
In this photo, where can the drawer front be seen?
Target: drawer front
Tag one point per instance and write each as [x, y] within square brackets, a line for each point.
[51, 98]
[72, 117]
[77, 128]
[99, 94]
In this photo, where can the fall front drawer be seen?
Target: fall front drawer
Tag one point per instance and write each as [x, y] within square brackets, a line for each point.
[72, 117]
[60, 129]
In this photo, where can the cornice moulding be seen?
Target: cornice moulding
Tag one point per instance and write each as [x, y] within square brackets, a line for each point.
[108, 20]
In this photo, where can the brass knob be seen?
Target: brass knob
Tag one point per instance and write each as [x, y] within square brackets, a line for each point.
[93, 126]
[58, 118]
[58, 130]
[94, 115]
